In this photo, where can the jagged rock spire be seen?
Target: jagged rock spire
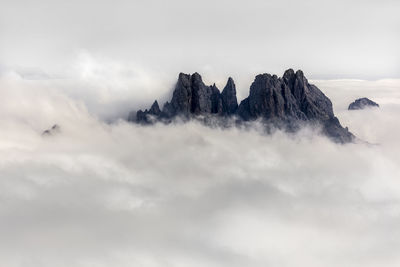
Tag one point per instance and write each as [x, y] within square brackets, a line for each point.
[192, 96]
[283, 101]
[182, 97]
[155, 109]
[144, 117]
[291, 100]
[228, 96]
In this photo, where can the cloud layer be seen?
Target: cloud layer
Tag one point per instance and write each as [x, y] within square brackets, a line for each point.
[101, 194]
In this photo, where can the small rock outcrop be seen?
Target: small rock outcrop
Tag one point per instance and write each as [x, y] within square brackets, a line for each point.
[287, 102]
[53, 130]
[148, 116]
[362, 103]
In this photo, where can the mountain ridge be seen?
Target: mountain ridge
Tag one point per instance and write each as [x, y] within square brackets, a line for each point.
[285, 102]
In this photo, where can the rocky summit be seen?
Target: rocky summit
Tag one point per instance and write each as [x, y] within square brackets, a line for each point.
[286, 102]
[362, 103]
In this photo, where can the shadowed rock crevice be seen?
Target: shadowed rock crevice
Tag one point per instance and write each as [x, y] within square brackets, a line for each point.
[286, 103]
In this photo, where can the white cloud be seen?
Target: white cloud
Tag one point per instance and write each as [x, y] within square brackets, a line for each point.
[99, 194]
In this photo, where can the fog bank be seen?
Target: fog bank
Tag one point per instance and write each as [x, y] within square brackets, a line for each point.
[118, 194]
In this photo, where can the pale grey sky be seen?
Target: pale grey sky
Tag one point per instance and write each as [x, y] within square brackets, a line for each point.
[327, 39]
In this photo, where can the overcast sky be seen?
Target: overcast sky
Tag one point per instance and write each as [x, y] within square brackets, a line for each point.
[327, 39]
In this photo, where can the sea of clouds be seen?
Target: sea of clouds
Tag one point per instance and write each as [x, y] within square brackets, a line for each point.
[104, 192]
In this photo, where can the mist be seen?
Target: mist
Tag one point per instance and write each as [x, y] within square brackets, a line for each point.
[105, 192]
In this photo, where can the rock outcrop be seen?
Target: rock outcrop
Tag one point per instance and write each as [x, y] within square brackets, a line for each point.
[362, 103]
[53, 130]
[191, 98]
[228, 96]
[147, 116]
[287, 102]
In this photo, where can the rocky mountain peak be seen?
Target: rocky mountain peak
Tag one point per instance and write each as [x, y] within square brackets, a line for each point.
[286, 102]
[155, 109]
[362, 103]
[228, 96]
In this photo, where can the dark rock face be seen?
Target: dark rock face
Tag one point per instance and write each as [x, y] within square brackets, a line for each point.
[285, 102]
[288, 101]
[146, 117]
[191, 98]
[228, 97]
[362, 103]
[270, 98]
